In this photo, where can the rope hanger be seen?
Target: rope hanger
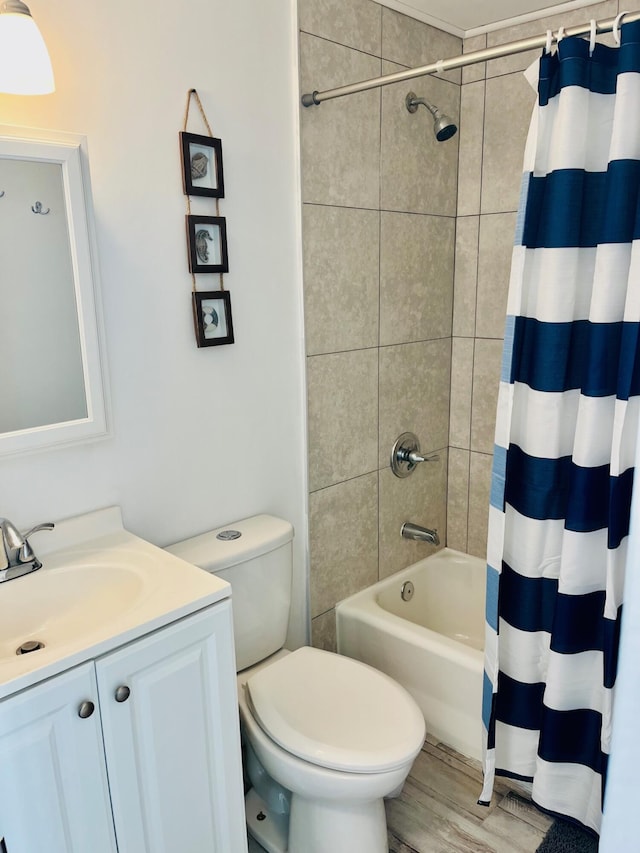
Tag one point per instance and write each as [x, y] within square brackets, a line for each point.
[193, 93]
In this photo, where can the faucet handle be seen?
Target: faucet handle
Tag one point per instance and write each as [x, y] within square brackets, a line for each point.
[48, 525]
[26, 551]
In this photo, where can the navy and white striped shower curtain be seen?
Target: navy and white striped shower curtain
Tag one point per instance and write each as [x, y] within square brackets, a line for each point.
[566, 433]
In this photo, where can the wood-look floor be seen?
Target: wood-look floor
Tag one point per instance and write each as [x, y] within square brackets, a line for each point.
[437, 810]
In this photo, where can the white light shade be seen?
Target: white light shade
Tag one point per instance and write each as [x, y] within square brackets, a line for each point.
[25, 67]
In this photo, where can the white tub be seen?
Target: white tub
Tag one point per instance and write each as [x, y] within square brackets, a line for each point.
[432, 644]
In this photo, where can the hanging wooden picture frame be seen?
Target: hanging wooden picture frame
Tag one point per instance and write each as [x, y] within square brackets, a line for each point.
[202, 170]
[207, 242]
[212, 318]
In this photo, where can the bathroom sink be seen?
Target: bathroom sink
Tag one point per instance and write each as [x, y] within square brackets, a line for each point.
[56, 605]
[99, 588]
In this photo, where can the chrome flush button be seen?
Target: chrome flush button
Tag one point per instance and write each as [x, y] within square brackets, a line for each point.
[227, 535]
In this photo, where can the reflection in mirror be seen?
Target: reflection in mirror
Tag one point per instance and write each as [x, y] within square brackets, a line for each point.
[50, 377]
[41, 378]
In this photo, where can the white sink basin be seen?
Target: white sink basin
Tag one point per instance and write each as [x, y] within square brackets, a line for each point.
[99, 587]
[56, 605]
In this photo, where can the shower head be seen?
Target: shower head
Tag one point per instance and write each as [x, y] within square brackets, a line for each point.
[443, 126]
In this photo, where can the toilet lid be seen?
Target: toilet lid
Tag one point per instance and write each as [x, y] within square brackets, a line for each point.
[336, 712]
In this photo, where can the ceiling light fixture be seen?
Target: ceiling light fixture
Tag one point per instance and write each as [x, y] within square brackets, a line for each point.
[25, 67]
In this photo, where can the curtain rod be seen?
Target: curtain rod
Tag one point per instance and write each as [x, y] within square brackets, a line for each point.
[507, 49]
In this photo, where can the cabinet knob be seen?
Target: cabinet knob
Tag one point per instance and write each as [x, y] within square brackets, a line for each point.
[122, 693]
[86, 709]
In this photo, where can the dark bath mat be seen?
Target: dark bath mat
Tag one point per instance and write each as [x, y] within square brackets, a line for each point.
[564, 837]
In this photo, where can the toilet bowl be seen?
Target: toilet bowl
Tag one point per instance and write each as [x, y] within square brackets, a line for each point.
[335, 734]
[325, 738]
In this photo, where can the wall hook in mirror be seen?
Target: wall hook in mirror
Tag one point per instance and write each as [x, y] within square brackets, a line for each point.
[1, 193]
[37, 208]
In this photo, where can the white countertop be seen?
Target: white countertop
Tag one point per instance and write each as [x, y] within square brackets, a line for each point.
[99, 587]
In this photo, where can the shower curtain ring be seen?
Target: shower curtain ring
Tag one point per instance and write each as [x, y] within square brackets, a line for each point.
[616, 27]
[547, 47]
[592, 37]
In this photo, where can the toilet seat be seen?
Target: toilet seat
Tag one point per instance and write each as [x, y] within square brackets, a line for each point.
[336, 712]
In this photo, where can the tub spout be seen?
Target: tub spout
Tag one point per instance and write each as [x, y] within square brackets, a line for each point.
[423, 534]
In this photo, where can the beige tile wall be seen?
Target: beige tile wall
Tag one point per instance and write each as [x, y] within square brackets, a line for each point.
[494, 119]
[379, 206]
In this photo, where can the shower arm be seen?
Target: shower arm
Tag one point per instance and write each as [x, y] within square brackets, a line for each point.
[413, 103]
[313, 98]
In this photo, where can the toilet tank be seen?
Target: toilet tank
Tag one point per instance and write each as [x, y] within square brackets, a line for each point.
[258, 563]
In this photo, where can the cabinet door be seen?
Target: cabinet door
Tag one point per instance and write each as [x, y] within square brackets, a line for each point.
[53, 783]
[172, 744]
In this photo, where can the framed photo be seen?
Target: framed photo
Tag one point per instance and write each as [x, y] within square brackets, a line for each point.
[212, 316]
[207, 241]
[202, 172]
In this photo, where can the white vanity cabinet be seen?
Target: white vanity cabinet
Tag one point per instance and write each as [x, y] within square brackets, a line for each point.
[53, 781]
[166, 710]
[173, 745]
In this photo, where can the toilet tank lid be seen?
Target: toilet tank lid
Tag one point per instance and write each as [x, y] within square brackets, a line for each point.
[259, 535]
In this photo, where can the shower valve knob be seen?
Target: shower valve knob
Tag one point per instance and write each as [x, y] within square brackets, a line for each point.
[405, 455]
[414, 457]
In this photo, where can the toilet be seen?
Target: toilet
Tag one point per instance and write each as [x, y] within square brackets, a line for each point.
[325, 738]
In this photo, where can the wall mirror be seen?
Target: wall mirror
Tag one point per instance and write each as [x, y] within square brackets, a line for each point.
[52, 389]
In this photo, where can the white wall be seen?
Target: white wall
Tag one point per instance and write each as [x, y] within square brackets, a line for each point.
[199, 437]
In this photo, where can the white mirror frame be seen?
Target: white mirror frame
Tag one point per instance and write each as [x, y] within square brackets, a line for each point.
[70, 152]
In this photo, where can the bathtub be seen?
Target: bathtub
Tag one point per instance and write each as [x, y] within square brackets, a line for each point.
[432, 644]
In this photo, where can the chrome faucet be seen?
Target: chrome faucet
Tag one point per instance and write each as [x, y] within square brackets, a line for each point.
[19, 556]
[422, 534]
